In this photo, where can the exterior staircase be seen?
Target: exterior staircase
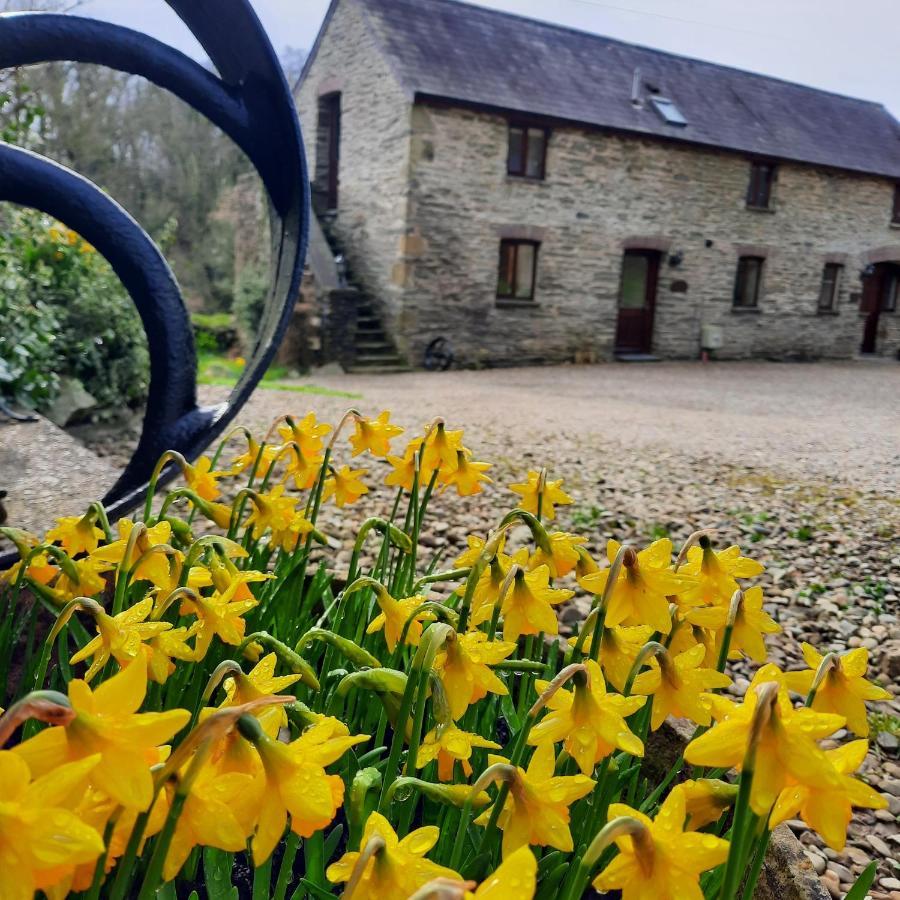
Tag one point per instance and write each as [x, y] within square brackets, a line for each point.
[375, 351]
[358, 341]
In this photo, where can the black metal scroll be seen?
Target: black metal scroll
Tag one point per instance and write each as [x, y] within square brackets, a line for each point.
[251, 102]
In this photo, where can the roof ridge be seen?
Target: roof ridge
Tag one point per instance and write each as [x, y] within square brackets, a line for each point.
[570, 29]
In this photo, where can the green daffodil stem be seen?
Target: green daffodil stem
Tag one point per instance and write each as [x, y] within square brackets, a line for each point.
[741, 829]
[759, 857]
[98, 510]
[737, 599]
[619, 827]
[167, 457]
[506, 774]
[698, 537]
[829, 661]
[435, 577]
[375, 523]
[625, 557]
[93, 892]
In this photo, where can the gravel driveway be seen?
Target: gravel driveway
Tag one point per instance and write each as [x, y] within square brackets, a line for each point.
[799, 464]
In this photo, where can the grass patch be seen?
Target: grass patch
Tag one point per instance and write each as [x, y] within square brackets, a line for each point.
[222, 371]
[212, 320]
[879, 722]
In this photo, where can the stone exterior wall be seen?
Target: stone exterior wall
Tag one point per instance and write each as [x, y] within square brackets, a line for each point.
[604, 193]
[370, 223]
[424, 201]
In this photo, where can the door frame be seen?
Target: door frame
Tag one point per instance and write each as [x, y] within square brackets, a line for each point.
[874, 302]
[647, 312]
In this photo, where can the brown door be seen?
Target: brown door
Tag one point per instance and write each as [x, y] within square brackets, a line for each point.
[637, 301]
[870, 303]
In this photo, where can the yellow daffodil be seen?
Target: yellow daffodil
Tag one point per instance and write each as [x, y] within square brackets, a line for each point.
[619, 647]
[750, 624]
[75, 534]
[345, 485]
[514, 879]
[41, 839]
[687, 635]
[705, 801]
[487, 589]
[828, 811]
[563, 556]
[219, 615]
[551, 496]
[446, 743]
[464, 668]
[528, 606]
[715, 573]
[121, 637]
[225, 576]
[395, 871]
[155, 568]
[678, 685]
[107, 723]
[89, 583]
[307, 433]
[786, 752]
[589, 721]
[304, 470]
[161, 649]
[640, 594]
[296, 783]
[374, 435]
[467, 477]
[202, 480]
[246, 460]
[271, 511]
[844, 689]
[208, 817]
[260, 681]
[440, 450]
[586, 565]
[404, 471]
[537, 806]
[663, 861]
[393, 616]
[473, 551]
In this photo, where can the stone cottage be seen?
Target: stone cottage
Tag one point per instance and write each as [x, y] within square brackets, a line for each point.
[506, 191]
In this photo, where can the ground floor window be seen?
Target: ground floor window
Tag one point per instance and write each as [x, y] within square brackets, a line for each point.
[518, 265]
[748, 281]
[831, 283]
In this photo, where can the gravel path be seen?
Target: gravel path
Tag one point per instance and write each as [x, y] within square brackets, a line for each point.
[799, 464]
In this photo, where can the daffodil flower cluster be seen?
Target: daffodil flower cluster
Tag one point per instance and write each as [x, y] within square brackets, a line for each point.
[199, 697]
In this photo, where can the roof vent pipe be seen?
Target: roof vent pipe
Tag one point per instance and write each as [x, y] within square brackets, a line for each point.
[636, 101]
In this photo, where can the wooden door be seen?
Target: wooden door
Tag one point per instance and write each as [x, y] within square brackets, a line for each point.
[870, 303]
[637, 301]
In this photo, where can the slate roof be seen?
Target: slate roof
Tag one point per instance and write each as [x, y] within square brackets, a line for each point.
[468, 54]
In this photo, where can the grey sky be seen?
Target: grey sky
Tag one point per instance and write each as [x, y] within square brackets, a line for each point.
[839, 45]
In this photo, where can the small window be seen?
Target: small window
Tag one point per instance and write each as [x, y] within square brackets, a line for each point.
[670, 113]
[518, 263]
[895, 213]
[747, 283]
[890, 291]
[527, 151]
[831, 285]
[759, 191]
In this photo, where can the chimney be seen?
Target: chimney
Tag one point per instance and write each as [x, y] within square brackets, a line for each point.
[636, 101]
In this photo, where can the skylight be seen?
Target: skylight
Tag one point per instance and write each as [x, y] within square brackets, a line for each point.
[670, 113]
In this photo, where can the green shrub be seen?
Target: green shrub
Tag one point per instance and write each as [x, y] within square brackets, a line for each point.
[65, 313]
[214, 332]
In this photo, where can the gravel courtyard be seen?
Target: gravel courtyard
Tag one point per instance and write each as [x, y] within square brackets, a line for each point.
[799, 464]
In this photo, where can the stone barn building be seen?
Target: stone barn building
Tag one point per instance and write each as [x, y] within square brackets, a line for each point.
[521, 192]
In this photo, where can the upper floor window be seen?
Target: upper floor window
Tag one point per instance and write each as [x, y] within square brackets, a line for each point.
[748, 281]
[759, 191]
[895, 214]
[518, 265]
[830, 288]
[527, 151]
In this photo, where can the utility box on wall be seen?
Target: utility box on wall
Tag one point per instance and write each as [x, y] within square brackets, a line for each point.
[711, 337]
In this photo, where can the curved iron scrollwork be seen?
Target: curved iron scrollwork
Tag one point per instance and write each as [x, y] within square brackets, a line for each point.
[251, 102]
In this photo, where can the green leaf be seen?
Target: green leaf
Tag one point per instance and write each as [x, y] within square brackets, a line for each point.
[313, 889]
[217, 865]
[510, 714]
[863, 883]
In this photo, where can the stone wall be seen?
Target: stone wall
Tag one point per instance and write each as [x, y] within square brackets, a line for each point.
[604, 193]
[370, 224]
